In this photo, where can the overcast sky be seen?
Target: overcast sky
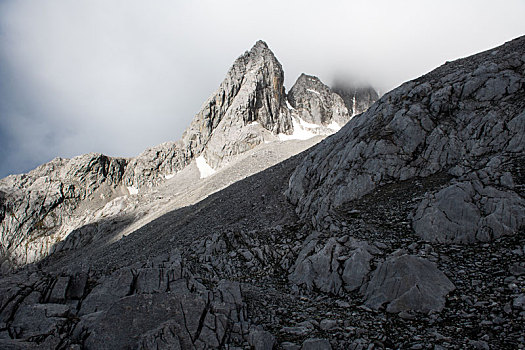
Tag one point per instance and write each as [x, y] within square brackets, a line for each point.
[119, 76]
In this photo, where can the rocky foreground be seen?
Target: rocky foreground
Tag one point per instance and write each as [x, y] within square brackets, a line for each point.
[403, 230]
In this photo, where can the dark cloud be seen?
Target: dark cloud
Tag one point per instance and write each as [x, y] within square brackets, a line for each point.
[118, 76]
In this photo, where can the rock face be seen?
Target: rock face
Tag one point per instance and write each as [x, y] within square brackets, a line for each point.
[356, 98]
[39, 209]
[465, 119]
[465, 212]
[315, 103]
[335, 267]
[248, 107]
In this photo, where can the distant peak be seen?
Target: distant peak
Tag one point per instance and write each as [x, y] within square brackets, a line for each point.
[260, 44]
[261, 49]
[304, 76]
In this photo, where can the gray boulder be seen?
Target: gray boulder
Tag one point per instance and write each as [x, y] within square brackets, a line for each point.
[463, 213]
[333, 267]
[39, 320]
[407, 283]
[356, 268]
[316, 344]
[261, 340]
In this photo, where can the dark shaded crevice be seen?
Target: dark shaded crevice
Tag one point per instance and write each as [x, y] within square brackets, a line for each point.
[202, 320]
[133, 285]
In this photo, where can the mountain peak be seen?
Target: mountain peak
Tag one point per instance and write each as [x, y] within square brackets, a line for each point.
[260, 44]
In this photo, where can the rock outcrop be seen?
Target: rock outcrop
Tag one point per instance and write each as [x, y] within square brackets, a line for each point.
[464, 119]
[334, 266]
[39, 207]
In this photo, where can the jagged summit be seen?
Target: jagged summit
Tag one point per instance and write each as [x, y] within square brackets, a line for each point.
[247, 108]
[316, 103]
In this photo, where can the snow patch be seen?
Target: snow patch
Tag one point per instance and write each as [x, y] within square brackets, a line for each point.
[334, 126]
[305, 124]
[315, 92]
[133, 190]
[299, 132]
[204, 168]
[169, 176]
[289, 105]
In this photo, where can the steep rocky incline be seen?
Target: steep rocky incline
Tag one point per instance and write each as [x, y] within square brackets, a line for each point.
[464, 119]
[249, 108]
[39, 208]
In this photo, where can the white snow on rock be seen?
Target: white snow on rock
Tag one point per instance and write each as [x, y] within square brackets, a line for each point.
[169, 176]
[299, 131]
[289, 105]
[315, 92]
[133, 190]
[307, 125]
[334, 126]
[204, 168]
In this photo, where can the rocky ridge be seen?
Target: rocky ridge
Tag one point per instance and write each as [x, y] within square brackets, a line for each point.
[465, 119]
[39, 209]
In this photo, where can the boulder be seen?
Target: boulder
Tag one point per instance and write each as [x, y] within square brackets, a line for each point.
[407, 283]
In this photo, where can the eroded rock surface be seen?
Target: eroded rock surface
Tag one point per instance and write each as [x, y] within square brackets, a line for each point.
[465, 118]
[408, 283]
[315, 103]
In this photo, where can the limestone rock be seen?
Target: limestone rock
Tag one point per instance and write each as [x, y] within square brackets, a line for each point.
[261, 340]
[38, 205]
[315, 103]
[333, 267]
[464, 117]
[463, 213]
[39, 319]
[247, 108]
[356, 268]
[407, 283]
[316, 344]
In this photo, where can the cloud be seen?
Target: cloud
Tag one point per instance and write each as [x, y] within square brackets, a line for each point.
[118, 76]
